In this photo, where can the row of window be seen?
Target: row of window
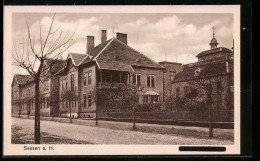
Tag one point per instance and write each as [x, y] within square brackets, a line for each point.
[65, 82]
[151, 99]
[150, 80]
[66, 104]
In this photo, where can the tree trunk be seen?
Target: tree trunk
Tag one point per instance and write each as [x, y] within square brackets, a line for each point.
[19, 109]
[210, 117]
[37, 135]
[70, 112]
[134, 119]
[96, 116]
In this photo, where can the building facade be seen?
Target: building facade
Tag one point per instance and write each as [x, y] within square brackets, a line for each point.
[110, 64]
[210, 80]
[23, 91]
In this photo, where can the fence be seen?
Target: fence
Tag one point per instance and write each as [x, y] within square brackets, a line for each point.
[216, 116]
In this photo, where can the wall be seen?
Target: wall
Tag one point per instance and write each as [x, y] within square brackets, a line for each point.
[63, 109]
[169, 66]
[88, 88]
[144, 72]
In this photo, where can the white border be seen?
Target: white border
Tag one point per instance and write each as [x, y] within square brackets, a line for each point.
[12, 149]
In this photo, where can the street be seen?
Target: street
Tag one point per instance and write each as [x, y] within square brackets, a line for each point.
[101, 135]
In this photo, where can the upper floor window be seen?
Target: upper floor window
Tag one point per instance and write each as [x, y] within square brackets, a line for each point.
[150, 81]
[64, 84]
[87, 78]
[172, 75]
[137, 79]
[72, 81]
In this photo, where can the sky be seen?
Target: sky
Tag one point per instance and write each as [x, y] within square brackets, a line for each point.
[161, 37]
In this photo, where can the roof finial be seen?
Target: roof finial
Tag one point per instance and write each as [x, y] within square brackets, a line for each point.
[213, 28]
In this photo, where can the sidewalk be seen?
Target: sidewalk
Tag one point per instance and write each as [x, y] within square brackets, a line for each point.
[188, 131]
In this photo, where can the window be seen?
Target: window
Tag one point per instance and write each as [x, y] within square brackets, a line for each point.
[72, 81]
[150, 81]
[172, 75]
[186, 90]
[85, 79]
[145, 99]
[177, 92]
[89, 77]
[48, 102]
[154, 98]
[137, 79]
[64, 84]
[89, 100]
[85, 101]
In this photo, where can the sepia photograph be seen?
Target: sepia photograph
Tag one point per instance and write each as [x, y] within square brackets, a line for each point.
[108, 80]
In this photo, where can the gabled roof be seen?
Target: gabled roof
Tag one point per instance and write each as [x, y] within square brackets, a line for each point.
[77, 58]
[94, 52]
[213, 51]
[115, 55]
[209, 69]
[22, 79]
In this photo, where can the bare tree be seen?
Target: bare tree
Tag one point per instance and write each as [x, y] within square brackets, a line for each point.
[33, 53]
[69, 96]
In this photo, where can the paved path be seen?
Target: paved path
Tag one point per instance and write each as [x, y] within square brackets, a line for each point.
[98, 135]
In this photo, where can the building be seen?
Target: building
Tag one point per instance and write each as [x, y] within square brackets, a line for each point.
[170, 70]
[111, 63]
[23, 91]
[209, 79]
[21, 97]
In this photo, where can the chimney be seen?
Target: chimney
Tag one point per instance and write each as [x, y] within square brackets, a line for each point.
[103, 36]
[90, 43]
[122, 37]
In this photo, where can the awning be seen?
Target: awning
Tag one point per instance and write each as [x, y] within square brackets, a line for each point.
[151, 93]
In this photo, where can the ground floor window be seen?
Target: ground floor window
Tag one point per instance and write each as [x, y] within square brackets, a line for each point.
[85, 101]
[89, 100]
[151, 98]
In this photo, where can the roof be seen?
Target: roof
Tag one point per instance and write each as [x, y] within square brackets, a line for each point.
[209, 69]
[22, 79]
[167, 62]
[55, 65]
[213, 51]
[77, 58]
[119, 56]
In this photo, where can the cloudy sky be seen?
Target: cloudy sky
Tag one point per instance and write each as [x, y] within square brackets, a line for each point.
[170, 37]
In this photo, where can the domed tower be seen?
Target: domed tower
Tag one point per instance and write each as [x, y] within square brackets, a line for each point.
[213, 43]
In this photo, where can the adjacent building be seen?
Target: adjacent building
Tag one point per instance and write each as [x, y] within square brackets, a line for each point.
[209, 79]
[23, 91]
